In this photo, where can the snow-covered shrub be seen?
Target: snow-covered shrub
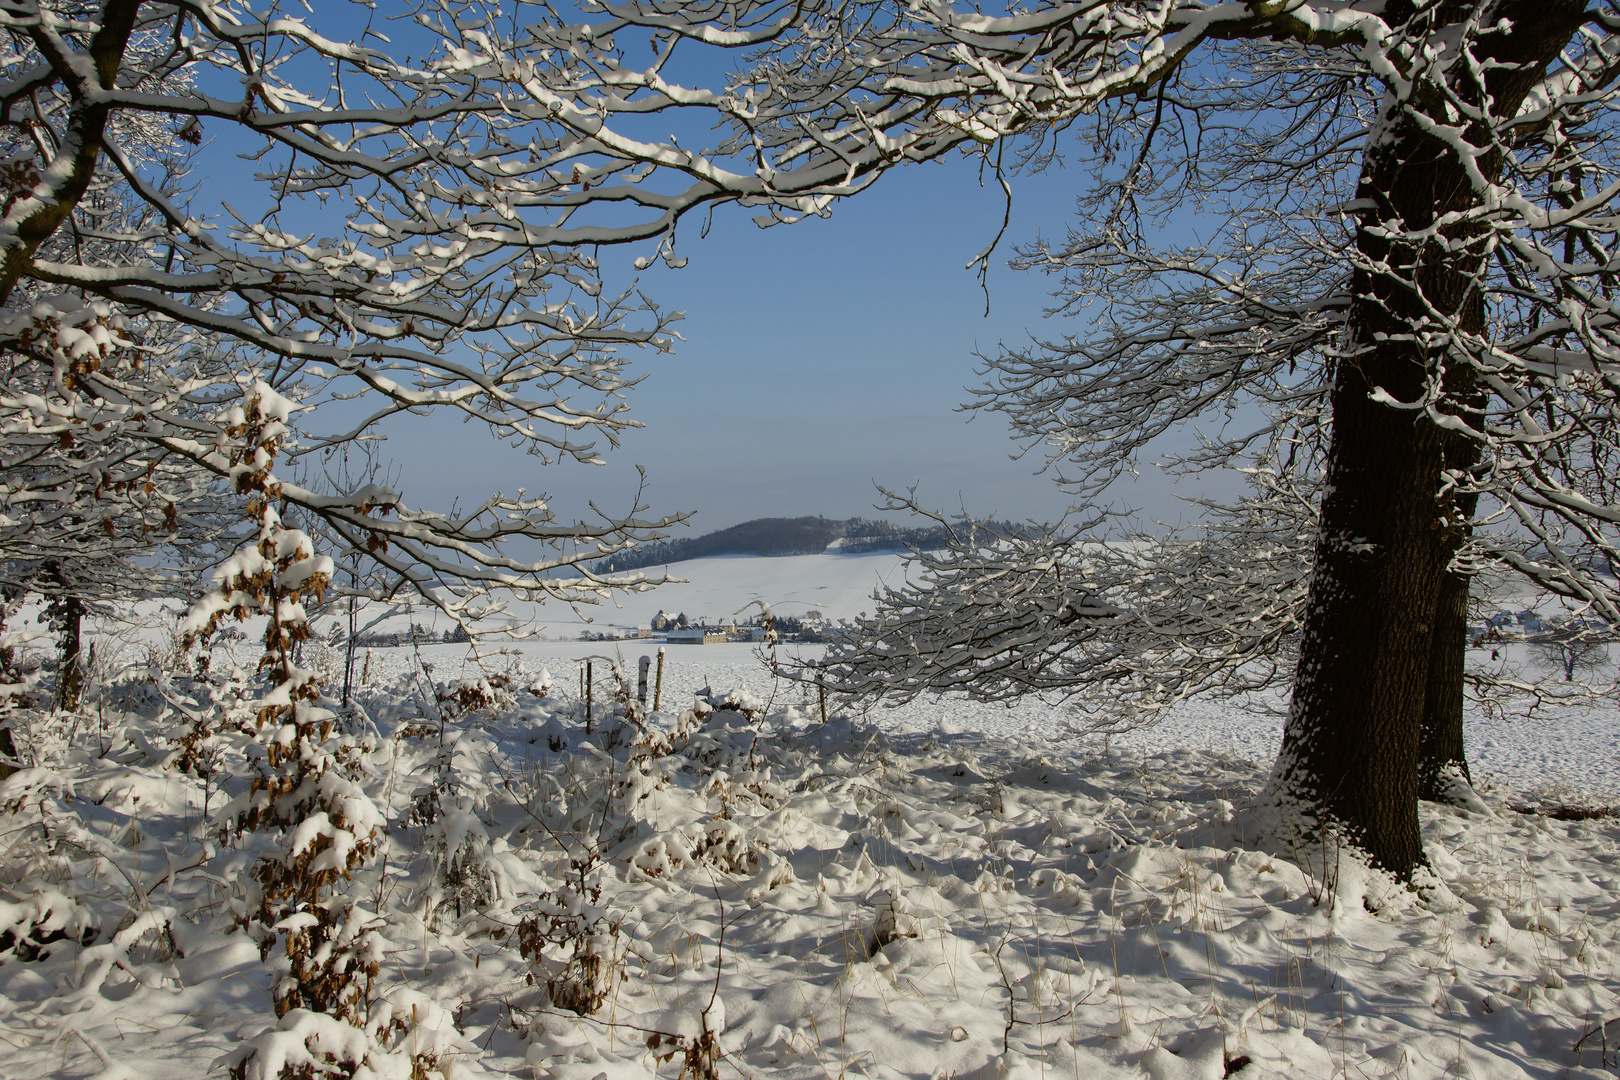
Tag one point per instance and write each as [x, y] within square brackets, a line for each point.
[212, 709]
[683, 804]
[488, 694]
[454, 840]
[42, 907]
[719, 843]
[146, 933]
[540, 686]
[721, 749]
[409, 1034]
[896, 916]
[414, 1027]
[29, 923]
[738, 700]
[171, 653]
[19, 684]
[577, 946]
[35, 817]
[699, 1053]
[463, 877]
[726, 738]
[307, 772]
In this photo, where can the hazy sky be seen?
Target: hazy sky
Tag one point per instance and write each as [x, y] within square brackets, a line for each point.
[818, 358]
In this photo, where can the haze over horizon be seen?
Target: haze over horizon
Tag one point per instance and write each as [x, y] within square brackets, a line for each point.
[818, 360]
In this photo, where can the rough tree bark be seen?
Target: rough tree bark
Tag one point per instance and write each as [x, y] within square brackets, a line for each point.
[1351, 747]
[1441, 754]
[65, 611]
[69, 615]
[1442, 757]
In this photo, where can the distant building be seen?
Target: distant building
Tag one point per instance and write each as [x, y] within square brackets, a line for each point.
[1512, 626]
[696, 637]
[617, 633]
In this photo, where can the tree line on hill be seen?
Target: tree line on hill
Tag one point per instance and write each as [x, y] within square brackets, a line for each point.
[794, 536]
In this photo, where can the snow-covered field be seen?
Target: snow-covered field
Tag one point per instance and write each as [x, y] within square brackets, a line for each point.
[838, 586]
[1577, 749]
[943, 890]
[1570, 748]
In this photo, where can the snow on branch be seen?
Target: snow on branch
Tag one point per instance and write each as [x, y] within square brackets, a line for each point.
[1123, 630]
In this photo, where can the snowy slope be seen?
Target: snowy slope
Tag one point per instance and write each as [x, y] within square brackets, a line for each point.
[839, 586]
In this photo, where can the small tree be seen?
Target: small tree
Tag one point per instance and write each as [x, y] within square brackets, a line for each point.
[1573, 652]
[307, 770]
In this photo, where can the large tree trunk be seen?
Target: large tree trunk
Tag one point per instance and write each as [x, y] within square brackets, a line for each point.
[1441, 756]
[1349, 755]
[1442, 760]
[1348, 768]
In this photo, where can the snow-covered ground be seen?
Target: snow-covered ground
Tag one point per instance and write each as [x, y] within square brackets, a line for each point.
[1578, 749]
[1571, 748]
[942, 890]
[715, 589]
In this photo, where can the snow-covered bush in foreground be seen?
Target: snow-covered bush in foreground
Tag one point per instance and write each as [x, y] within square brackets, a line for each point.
[307, 783]
[738, 891]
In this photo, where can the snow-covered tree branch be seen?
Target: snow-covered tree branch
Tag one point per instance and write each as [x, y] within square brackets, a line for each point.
[138, 312]
[1123, 630]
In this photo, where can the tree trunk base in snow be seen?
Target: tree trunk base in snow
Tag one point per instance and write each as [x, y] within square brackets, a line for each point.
[1442, 760]
[1450, 785]
[1338, 871]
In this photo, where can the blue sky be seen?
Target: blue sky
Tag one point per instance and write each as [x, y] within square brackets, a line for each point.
[819, 360]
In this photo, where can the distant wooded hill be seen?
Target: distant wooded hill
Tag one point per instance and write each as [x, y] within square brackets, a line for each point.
[790, 536]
